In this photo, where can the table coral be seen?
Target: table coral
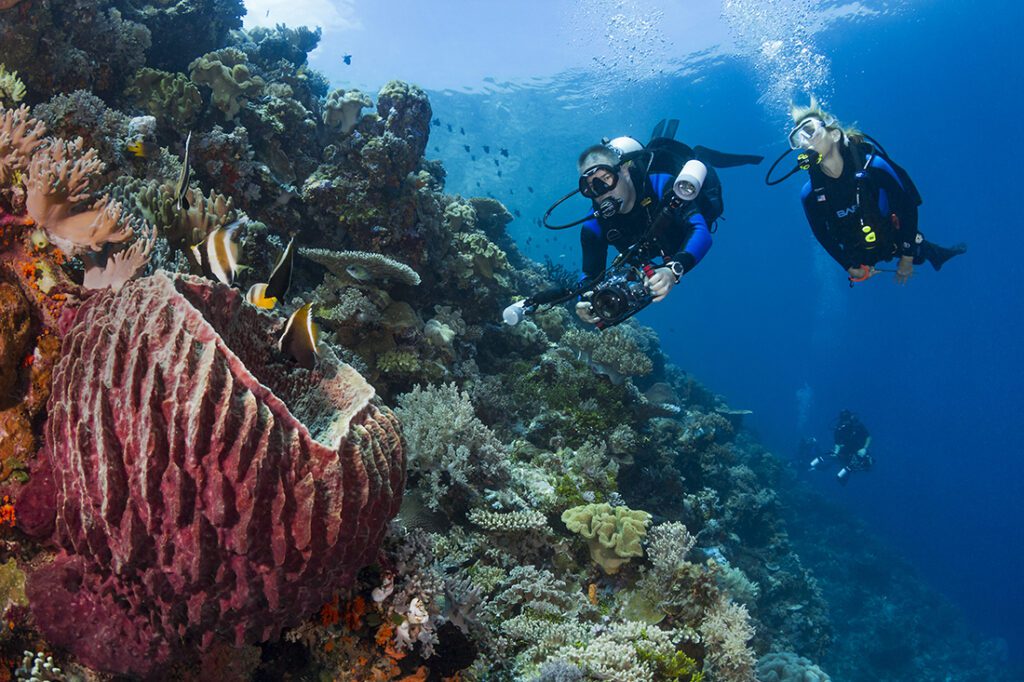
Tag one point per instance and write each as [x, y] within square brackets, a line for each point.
[203, 490]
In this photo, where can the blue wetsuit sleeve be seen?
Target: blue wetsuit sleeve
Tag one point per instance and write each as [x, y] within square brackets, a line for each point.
[697, 245]
[893, 198]
[595, 249]
[817, 218]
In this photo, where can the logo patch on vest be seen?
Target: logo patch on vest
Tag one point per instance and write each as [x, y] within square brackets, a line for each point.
[843, 212]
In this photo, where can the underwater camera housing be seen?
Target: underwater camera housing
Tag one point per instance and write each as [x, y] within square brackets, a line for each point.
[619, 295]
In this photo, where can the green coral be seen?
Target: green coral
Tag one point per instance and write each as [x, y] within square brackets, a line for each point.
[614, 534]
[227, 74]
[171, 98]
[478, 256]
[12, 89]
[674, 667]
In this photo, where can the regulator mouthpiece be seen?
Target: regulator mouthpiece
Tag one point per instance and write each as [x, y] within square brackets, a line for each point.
[514, 313]
[609, 207]
[690, 179]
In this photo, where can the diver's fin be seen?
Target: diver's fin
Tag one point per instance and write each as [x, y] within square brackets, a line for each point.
[658, 129]
[724, 160]
[670, 129]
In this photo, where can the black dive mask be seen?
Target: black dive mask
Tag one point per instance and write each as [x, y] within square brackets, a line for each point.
[592, 187]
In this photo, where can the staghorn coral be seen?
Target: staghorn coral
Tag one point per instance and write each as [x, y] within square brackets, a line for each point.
[12, 90]
[360, 268]
[613, 534]
[217, 496]
[343, 110]
[228, 77]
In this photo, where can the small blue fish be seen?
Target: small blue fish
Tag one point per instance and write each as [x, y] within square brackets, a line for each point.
[504, 152]
[347, 59]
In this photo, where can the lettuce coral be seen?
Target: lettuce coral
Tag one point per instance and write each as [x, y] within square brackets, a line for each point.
[614, 534]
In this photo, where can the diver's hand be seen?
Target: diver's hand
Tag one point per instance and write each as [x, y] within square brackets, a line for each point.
[905, 270]
[585, 312]
[862, 273]
[660, 283]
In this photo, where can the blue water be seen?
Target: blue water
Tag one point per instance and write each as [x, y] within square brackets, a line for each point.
[933, 369]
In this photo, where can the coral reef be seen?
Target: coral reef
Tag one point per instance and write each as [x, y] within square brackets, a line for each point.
[242, 529]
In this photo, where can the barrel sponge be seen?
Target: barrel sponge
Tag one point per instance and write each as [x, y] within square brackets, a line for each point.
[205, 488]
[614, 534]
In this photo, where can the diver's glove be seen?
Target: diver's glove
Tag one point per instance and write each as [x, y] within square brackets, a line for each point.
[836, 449]
[862, 453]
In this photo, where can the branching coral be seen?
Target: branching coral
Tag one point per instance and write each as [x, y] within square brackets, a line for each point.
[20, 136]
[456, 454]
[121, 266]
[725, 632]
[57, 181]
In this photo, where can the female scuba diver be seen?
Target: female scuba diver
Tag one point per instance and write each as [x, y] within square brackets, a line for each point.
[861, 205]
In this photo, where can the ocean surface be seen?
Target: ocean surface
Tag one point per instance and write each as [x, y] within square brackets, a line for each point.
[934, 369]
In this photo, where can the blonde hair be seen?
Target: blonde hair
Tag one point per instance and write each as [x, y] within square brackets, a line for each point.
[814, 110]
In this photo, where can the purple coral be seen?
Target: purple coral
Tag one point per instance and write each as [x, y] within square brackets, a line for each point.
[204, 488]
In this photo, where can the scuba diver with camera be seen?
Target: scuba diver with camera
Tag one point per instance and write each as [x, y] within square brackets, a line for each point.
[654, 202]
[861, 205]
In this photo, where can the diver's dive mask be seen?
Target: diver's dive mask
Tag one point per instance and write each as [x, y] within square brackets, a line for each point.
[808, 131]
[599, 179]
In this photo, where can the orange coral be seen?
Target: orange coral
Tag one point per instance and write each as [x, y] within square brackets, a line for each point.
[592, 593]
[354, 612]
[7, 512]
[329, 613]
[419, 676]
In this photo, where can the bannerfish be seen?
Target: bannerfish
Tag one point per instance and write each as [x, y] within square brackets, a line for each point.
[301, 337]
[142, 148]
[183, 178]
[266, 294]
[218, 253]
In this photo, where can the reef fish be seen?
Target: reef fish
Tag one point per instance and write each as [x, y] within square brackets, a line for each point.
[266, 295]
[218, 253]
[143, 148]
[183, 178]
[301, 337]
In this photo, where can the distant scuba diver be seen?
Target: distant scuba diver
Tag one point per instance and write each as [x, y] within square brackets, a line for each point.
[861, 205]
[852, 442]
[658, 201]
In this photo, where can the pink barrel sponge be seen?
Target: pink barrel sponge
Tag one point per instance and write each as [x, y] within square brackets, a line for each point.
[205, 488]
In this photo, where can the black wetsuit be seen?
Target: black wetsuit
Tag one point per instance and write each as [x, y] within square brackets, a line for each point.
[686, 239]
[851, 435]
[877, 226]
